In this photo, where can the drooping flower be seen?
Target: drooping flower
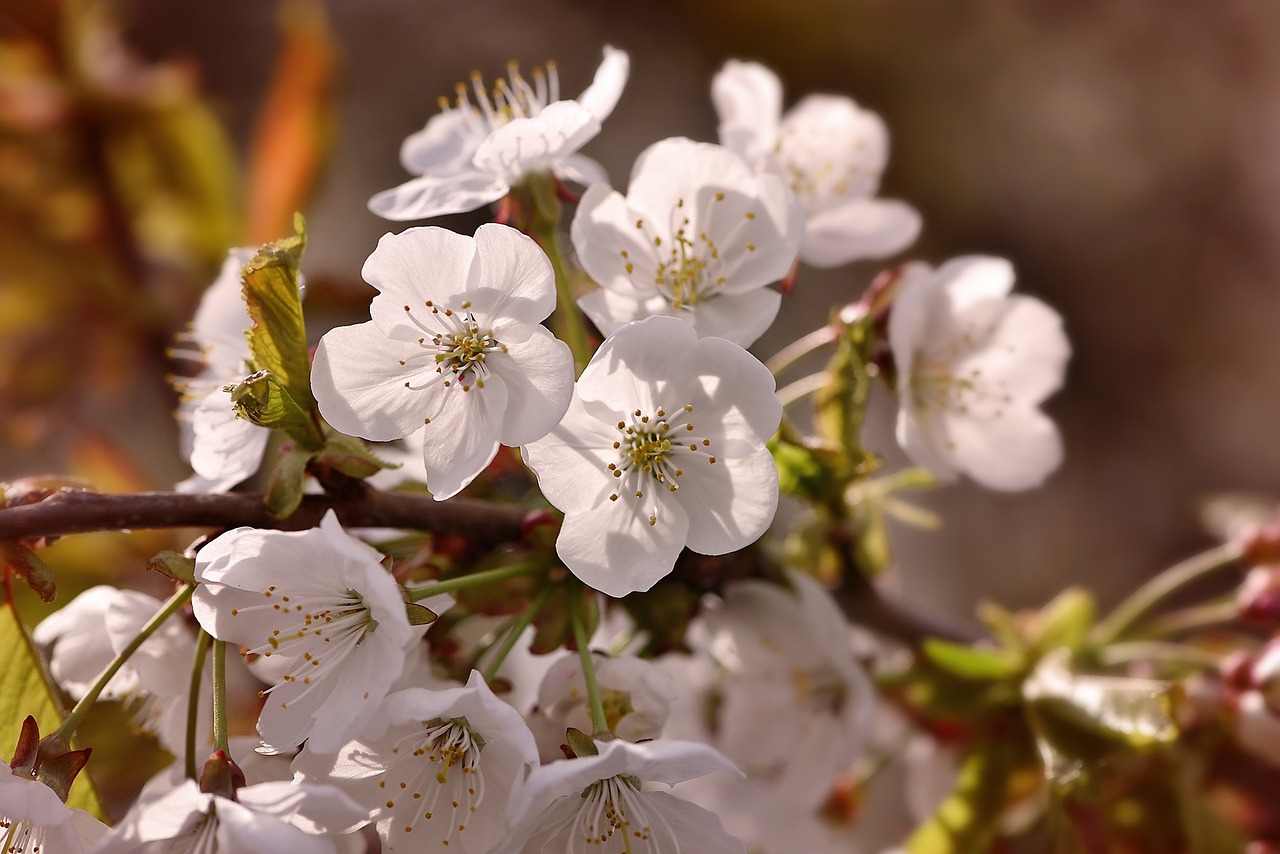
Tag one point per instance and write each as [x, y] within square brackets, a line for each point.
[473, 154]
[663, 446]
[223, 450]
[34, 818]
[454, 345]
[974, 362]
[831, 153]
[585, 804]
[698, 236]
[84, 635]
[440, 770]
[318, 602]
[300, 818]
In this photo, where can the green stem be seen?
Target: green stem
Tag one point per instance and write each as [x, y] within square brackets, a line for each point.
[599, 725]
[176, 601]
[1173, 653]
[513, 634]
[789, 394]
[1155, 591]
[544, 227]
[220, 741]
[488, 576]
[1204, 616]
[801, 347]
[193, 704]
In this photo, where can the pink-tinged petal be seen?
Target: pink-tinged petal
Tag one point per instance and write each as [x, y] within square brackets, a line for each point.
[1026, 350]
[835, 150]
[531, 144]
[607, 242]
[362, 380]
[730, 503]
[738, 317]
[858, 229]
[571, 462]
[748, 102]
[580, 169]
[538, 373]
[513, 282]
[1013, 450]
[602, 95]
[974, 279]
[616, 549]
[429, 196]
[463, 436]
[419, 264]
[445, 145]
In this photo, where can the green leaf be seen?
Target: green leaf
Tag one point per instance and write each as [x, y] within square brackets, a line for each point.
[176, 565]
[350, 456]
[967, 662]
[1064, 622]
[278, 338]
[263, 399]
[968, 820]
[842, 404]
[23, 691]
[284, 492]
[807, 471]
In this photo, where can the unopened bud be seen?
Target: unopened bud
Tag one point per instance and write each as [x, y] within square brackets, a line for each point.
[221, 776]
[1258, 600]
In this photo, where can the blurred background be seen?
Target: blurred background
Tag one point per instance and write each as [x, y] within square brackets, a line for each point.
[1124, 156]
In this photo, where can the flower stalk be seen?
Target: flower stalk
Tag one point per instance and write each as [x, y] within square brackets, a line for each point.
[193, 704]
[599, 724]
[543, 225]
[514, 632]
[488, 576]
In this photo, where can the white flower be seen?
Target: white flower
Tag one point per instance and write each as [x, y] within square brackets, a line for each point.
[454, 344]
[34, 820]
[795, 705]
[663, 446]
[578, 805]
[438, 769]
[223, 449]
[974, 363]
[89, 631]
[698, 236]
[321, 604]
[831, 153]
[473, 154]
[297, 818]
[637, 697]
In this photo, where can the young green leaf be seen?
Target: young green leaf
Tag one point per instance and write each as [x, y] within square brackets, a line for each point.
[278, 338]
[263, 399]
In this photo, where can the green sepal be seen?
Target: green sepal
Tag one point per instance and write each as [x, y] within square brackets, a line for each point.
[176, 565]
[841, 405]
[807, 470]
[278, 337]
[580, 743]
[973, 663]
[265, 400]
[284, 491]
[350, 456]
[419, 615]
[23, 562]
[1063, 623]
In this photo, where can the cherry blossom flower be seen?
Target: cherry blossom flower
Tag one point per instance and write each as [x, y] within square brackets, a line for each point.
[578, 805]
[974, 362]
[321, 609]
[473, 154]
[223, 449]
[663, 446]
[299, 818]
[698, 236]
[795, 706]
[830, 151]
[454, 345]
[439, 769]
[34, 820]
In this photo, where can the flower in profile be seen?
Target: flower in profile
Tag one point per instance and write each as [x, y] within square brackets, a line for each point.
[698, 236]
[454, 346]
[440, 770]
[322, 611]
[223, 449]
[34, 817]
[582, 805]
[663, 446]
[974, 362]
[284, 817]
[471, 154]
[831, 153]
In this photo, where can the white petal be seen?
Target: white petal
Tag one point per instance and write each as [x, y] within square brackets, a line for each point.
[602, 95]
[514, 282]
[922, 436]
[538, 373]
[614, 549]
[416, 265]
[226, 449]
[430, 196]
[580, 169]
[858, 229]
[672, 169]
[738, 317]
[748, 102]
[606, 240]
[463, 436]
[975, 278]
[531, 144]
[445, 145]
[610, 309]
[1013, 451]
[730, 503]
[359, 380]
[1026, 353]
[739, 392]
[571, 461]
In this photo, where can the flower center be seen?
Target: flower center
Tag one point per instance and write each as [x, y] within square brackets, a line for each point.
[650, 449]
[456, 345]
[20, 836]
[436, 769]
[513, 98]
[616, 806]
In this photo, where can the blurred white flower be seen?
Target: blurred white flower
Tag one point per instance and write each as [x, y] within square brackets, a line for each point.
[830, 152]
[454, 349]
[318, 602]
[34, 820]
[698, 236]
[974, 362]
[663, 446]
[579, 805]
[439, 769]
[473, 154]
